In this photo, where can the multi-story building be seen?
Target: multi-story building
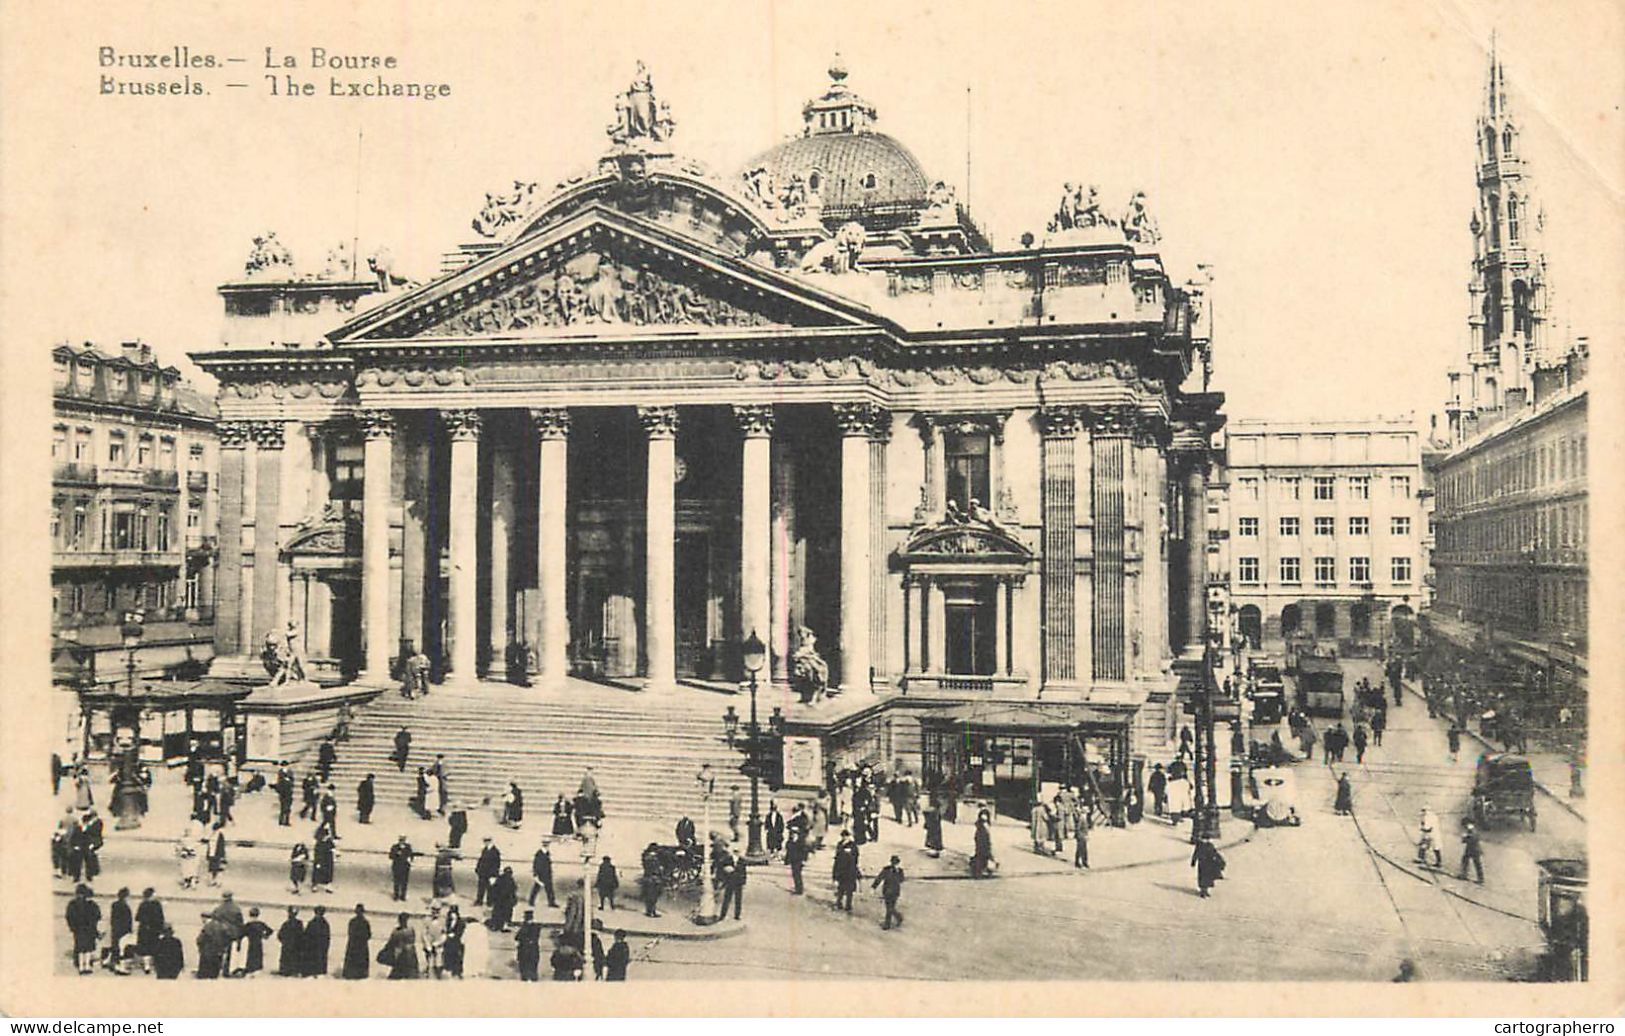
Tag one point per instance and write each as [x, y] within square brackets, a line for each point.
[1510, 558]
[662, 410]
[1324, 529]
[133, 513]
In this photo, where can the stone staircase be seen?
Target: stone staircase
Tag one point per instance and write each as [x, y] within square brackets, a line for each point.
[645, 750]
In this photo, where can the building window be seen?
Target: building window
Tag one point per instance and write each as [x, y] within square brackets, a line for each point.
[195, 452]
[1325, 525]
[59, 442]
[1247, 488]
[166, 454]
[1359, 525]
[1399, 525]
[80, 522]
[194, 589]
[1247, 571]
[194, 514]
[1290, 487]
[1291, 572]
[966, 462]
[1324, 487]
[81, 445]
[115, 449]
[1360, 487]
[124, 531]
[143, 452]
[344, 470]
[1399, 487]
[1325, 571]
[1289, 525]
[56, 522]
[76, 597]
[970, 620]
[1401, 569]
[1246, 526]
[1359, 570]
[163, 530]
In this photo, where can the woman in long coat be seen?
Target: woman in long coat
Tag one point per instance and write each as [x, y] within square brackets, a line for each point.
[321, 873]
[292, 937]
[357, 955]
[400, 953]
[298, 864]
[513, 806]
[562, 823]
[1209, 866]
[476, 948]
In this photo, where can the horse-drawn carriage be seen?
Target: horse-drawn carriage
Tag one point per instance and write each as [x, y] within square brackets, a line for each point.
[674, 866]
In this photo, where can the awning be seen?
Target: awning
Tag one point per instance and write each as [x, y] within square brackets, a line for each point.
[170, 694]
[1022, 717]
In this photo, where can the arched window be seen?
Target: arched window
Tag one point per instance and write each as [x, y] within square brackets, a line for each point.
[1513, 206]
[1506, 142]
[869, 181]
[814, 181]
[1495, 220]
[1523, 320]
[1489, 144]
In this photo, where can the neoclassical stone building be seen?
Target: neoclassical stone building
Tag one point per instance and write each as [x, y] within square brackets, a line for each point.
[662, 408]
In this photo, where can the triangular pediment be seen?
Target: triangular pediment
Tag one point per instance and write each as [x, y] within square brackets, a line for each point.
[602, 272]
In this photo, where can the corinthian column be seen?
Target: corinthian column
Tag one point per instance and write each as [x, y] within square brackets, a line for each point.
[856, 421]
[268, 442]
[378, 426]
[659, 596]
[502, 530]
[755, 517]
[552, 649]
[462, 517]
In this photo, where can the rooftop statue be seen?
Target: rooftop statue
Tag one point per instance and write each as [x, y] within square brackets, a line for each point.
[269, 256]
[502, 209]
[638, 115]
[1077, 212]
[1138, 223]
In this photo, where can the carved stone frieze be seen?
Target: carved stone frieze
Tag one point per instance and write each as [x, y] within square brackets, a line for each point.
[268, 435]
[413, 377]
[659, 422]
[755, 421]
[832, 368]
[331, 388]
[551, 422]
[463, 424]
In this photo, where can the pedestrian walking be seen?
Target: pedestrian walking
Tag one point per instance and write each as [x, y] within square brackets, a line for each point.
[326, 755]
[1453, 739]
[310, 789]
[1379, 723]
[734, 875]
[120, 923]
[216, 857]
[504, 897]
[298, 865]
[1209, 864]
[528, 948]
[890, 883]
[1158, 785]
[322, 863]
[403, 747]
[774, 826]
[847, 871]
[1080, 834]
[1471, 852]
[420, 794]
[563, 814]
[736, 808]
[1427, 842]
[149, 927]
[213, 943]
[84, 920]
[541, 871]
[513, 806]
[1344, 805]
[366, 796]
[476, 946]
[1360, 741]
[357, 946]
[486, 869]
[290, 938]
[400, 952]
[795, 854]
[318, 941]
[400, 867]
[284, 796]
[982, 863]
[652, 882]
[606, 884]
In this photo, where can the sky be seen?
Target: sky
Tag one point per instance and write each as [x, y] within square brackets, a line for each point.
[1320, 157]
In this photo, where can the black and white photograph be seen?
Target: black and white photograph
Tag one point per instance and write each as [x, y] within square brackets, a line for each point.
[932, 496]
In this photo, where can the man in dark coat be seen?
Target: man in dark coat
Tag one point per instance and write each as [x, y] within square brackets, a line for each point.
[981, 861]
[84, 919]
[1158, 783]
[326, 756]
[256, 932]
[566, 961]
[213, 943]
[1360, 741]
[1379, 723]
[619, 956]
[400, 867]
[734, 874]
[606, 884]
[322, 866]
[291, 938]
[504, 896]
[795, 854]
[168, 955]
[1471, 852]
[311, 789]
[284, 796]
[318, 940]
[403, 747]
[357, 956]
[486, 870]
[442, 785]
[846, 871]
[1344, 805]
[541, 869]
[890, 883]
[528, 941]
[457, 824]
[120, 923]
[420, 794]
[652, 882]
[149, 927]
[366, 796]
[327, 807]
[1209, 866]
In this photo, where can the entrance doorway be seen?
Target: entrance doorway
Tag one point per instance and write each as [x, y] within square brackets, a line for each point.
[1325, 620]
[971, 628]
[1291, 620]
[1251, 623]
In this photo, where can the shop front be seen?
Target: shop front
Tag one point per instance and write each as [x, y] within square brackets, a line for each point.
[1006, 756]
[170, 720]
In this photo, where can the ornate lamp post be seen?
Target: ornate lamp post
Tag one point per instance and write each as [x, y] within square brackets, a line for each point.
[705, 914]
[589, 852]
[754, 655]
[129, 794]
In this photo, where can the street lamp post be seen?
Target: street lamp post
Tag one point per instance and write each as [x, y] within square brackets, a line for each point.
[755, 657]
[589, 851]
[129, 795]
[708, 899]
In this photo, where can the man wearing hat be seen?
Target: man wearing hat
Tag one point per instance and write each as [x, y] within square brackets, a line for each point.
[486, 870]
[84, 918]
[400, 867]
[1471, 852]
[890, 883]
[846, 871]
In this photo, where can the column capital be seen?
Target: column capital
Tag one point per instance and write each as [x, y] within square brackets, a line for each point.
[659, 422]
[552, 422]
[755, 420]
[234, 435]
[1061, 422]
[267, 435]
[463, 425]
[1119, 421]
[376, 424]
[858, 419]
